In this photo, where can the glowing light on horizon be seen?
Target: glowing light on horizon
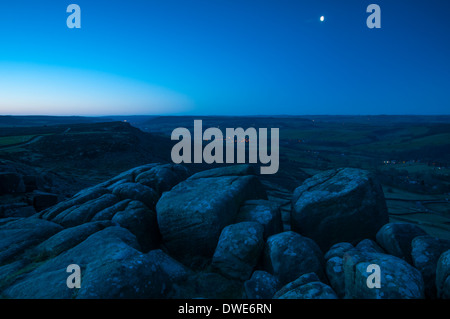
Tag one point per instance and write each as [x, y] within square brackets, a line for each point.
[39, 90]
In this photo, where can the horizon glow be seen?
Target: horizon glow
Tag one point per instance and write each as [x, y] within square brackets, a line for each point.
[29, 89]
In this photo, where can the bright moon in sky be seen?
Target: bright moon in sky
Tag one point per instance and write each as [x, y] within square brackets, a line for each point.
[322, 18]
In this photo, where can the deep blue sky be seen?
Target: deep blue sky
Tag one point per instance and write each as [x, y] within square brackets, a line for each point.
[224, 57]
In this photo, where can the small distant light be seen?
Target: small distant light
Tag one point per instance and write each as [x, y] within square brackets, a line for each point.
[322, 18]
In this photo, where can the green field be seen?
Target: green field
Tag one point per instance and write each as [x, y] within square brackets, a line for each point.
[12, 140]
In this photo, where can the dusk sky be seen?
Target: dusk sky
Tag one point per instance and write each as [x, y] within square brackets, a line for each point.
[224, 57]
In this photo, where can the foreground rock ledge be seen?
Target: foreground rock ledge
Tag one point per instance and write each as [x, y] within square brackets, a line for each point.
[152, 232]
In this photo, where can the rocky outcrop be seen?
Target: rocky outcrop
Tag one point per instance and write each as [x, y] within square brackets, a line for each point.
[155, 232]
[106, 229]
[121, 200]
[343, 205]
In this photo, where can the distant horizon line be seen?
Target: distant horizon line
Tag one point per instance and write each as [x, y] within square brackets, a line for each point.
[216, 115]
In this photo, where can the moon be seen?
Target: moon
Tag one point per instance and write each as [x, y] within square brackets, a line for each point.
[322, 18]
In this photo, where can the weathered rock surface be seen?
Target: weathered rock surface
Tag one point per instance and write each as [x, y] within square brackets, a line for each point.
[79, 215]
[138, 192]
[343, 205]
[289, 255]
[163, 177]
[425, 253]
[141, 222]
[264, 212]
[396, 239]
[112, 268]
[370, 246]
[154, 232]
[443, 276]
[192, 215]
[22, 234]
[239, 249]
[16, 210]
[338, 250]
[398, 279]
[335, 262]
[261, 285]
[335, 273]
[307, 286]
[67, 239]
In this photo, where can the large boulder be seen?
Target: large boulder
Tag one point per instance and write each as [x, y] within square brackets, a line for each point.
[396, 239]
[443, 276]
[289, 255]
[398, 279]
[238, 251]
[191, 215]
[342, 205]
[425, 253]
